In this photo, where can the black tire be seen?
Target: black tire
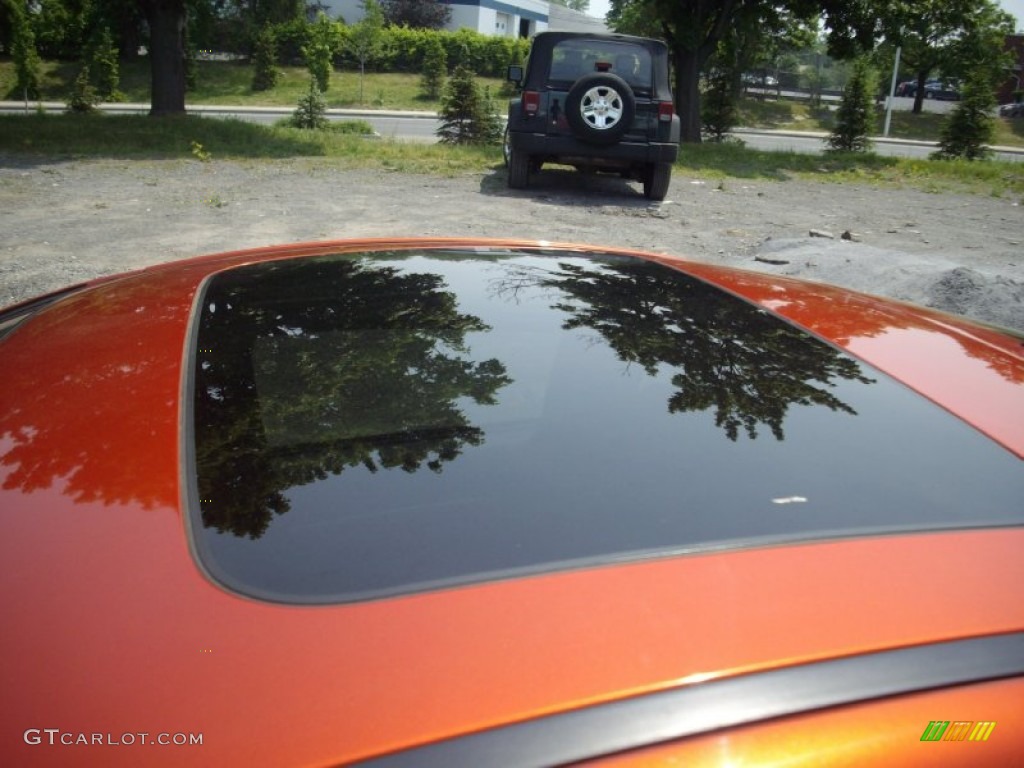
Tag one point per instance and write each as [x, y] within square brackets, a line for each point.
[600, 108]
[656, 180]
[518, 169]
[506, 147]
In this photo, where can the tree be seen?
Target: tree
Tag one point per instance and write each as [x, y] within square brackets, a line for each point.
[982, 44]
[718, 107]
[693, 31]
[166, 19]
[856, 115]
[7, 12]
[467, 116]
[103, 65]
[364, 39]
[319, 52]
[311, 113]
[933, 33]
[265, 73]
[26, 58]
[83, 95]
[633, 17]
[274, 11]
[59, 27]
[434, 69]
[417, 14]
[762, 49]
[574, 5]
[971, 125]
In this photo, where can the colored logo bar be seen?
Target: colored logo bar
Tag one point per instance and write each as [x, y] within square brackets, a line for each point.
[958, 730]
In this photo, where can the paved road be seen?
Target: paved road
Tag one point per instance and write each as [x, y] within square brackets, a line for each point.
[421, 126]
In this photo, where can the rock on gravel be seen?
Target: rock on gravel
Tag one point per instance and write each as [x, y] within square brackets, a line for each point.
[66, 221]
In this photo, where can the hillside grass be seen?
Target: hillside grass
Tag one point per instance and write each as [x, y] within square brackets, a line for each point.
[230, 83]
[781, 114]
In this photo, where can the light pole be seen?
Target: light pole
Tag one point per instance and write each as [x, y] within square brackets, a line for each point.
[892, 91]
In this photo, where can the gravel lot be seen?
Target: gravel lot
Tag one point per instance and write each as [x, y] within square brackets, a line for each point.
[65, 221]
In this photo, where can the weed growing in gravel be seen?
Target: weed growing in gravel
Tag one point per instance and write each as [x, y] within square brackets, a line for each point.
[199, 153]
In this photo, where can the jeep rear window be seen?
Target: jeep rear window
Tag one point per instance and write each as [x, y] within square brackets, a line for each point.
[573, 58]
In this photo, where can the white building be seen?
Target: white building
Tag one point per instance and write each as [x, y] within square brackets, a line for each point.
[514, 18]
[517, 18]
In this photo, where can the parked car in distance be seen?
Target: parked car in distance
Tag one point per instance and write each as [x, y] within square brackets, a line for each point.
[757, 80]
[1016, 109]
[482, 503]
[598, 102]
[933, 89]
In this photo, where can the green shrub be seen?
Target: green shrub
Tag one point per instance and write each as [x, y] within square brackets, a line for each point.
[103, 66]
[971, 125]
[856, 115]
[467, 116]
[718, 110]
[351, 127]
[516, 56]
[311, 113]
[400, 49]
[291, 37]
[265, 61]
[324, 39]
[26, 58]
[434, 70]
[83, 98]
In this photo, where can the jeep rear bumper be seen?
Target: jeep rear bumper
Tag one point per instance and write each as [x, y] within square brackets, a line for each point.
[572, 151]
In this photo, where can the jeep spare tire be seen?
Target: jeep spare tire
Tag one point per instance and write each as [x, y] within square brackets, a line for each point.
[600, 108]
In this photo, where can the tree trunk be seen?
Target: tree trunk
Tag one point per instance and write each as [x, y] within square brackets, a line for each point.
[693, 31]
[687, 67]
[922, 77]
[166, 20]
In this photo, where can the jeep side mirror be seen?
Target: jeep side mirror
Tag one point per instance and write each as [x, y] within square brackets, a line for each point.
[515, 74]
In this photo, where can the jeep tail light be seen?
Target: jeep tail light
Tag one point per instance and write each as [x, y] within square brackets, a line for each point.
[665, 111]
[531, 102]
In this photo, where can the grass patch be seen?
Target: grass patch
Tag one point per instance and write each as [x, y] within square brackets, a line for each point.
[340, 127]
[217, 139]
[782, 114]
[772, 113]
[193, 137]
[732, 160]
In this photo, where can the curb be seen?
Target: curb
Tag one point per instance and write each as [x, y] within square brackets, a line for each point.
[199, 109]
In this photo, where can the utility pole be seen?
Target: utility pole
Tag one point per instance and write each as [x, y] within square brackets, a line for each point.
[892, 91]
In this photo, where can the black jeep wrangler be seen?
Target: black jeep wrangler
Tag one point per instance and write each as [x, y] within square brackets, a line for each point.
[596, 102]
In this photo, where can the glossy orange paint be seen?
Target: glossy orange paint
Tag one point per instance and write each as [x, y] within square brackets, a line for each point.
[114, 629]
